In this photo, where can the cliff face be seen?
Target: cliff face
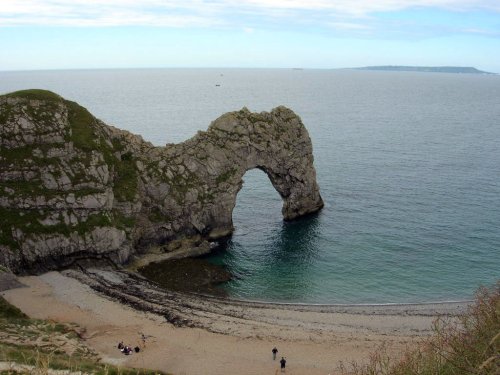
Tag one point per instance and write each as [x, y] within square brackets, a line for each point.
[72, 187]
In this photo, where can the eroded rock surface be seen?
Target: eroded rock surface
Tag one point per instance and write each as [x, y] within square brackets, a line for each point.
[72, 187]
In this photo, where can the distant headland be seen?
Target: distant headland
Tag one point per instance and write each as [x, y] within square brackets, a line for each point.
[431, 69]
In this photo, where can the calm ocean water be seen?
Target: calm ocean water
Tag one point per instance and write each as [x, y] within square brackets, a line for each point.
[408, 165]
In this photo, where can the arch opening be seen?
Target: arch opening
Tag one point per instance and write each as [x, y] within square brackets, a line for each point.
[258, 204]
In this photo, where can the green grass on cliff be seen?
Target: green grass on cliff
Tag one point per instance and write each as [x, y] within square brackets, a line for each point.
[5, 113]
[43, 360]
[10, 312]
[35, 94]
[23, 155]
[82, 125]
[28, 221]
[87, 137]
[85, 133]
[224, 177]
[125, 187]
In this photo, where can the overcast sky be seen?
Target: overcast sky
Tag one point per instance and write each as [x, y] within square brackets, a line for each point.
[73, 34]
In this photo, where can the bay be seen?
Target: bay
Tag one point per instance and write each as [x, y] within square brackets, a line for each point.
[408, 166]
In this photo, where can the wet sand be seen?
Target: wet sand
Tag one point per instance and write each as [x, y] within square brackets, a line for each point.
[188, 334]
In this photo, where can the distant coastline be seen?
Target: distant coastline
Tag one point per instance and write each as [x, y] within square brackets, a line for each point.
[431, 69]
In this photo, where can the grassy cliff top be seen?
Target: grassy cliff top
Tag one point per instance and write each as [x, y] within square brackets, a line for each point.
[34, 94]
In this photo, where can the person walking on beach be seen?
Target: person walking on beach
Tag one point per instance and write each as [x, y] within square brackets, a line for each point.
[274, 353]
[283, 363]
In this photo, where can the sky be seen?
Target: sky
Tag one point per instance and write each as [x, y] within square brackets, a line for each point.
[325, 34]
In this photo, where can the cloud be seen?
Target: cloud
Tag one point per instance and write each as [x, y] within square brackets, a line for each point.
[102, 13]
[203, 13]
[349, 26]
[363, 7]
[481, 32]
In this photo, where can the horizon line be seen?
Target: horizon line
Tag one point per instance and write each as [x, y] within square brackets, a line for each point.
[233, 67]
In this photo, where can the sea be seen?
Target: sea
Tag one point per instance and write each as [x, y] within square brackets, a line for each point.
[408, 164]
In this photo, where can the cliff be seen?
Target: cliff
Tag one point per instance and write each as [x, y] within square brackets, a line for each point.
[72, 187]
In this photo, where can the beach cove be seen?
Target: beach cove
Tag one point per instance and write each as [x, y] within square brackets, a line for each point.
[192, 334]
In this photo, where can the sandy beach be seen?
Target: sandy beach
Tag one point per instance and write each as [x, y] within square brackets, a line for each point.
[188, 334]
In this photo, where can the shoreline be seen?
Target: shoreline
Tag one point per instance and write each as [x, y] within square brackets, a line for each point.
[306, 304]
[213, 335]
[412, 308]
[116, 279]
[201, 275]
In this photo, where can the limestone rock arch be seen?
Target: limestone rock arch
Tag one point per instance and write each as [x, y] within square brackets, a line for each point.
[72, 187]
[275, 142]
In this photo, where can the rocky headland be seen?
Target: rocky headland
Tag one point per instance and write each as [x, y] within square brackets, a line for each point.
[73, 188]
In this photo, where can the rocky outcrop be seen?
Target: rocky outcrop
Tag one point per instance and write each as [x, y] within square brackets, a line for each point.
[72, 187]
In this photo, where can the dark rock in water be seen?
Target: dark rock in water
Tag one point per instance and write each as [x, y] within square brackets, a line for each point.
[187, 275]
[72, 187]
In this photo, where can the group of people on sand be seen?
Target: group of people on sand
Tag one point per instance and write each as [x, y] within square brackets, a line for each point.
[127, 350]
[282, 360]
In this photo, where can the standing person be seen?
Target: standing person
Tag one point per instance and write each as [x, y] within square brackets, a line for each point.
[274, 353]
[283, 363]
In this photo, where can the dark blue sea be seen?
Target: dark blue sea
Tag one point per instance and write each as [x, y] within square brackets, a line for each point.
[408, 165]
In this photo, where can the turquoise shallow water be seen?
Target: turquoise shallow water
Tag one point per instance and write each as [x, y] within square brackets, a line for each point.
[408, 165]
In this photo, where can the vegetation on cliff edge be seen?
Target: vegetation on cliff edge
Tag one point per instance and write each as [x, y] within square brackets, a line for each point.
[35, 346]
[35, 94]
[467, 346]
[86, 137]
